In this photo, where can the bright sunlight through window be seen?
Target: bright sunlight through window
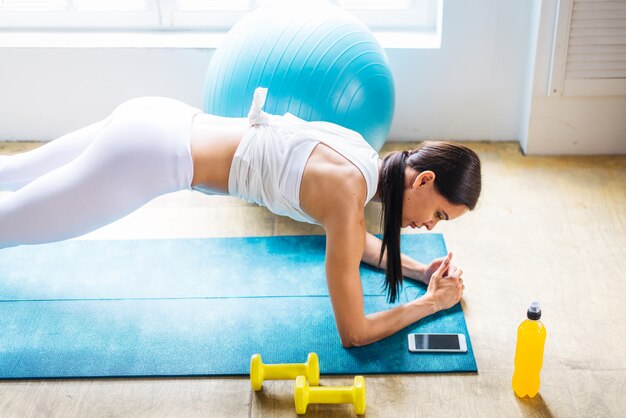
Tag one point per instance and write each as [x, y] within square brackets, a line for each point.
[197, 15]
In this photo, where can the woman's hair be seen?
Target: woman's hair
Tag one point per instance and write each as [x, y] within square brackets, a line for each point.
[457, 178]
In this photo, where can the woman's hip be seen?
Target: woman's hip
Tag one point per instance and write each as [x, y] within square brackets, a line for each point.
[154, 133]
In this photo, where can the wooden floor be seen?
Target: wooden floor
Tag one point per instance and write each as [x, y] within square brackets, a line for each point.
[547, 228]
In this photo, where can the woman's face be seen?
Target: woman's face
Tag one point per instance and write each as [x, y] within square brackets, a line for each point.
[423, 205]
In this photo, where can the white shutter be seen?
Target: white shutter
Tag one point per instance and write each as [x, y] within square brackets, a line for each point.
[589, 54]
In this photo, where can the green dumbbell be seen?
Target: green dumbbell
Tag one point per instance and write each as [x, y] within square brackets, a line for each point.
[260, 372]
[304, 394]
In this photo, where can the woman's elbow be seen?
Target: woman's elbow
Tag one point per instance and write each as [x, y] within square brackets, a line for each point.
[354, 339]
[346, 343]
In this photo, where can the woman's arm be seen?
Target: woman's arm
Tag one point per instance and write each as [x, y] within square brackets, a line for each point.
[344, 247]
[333, 192]
[411, 268]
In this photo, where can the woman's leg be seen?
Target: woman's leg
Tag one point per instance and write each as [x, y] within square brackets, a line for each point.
[18, 170]
[129, 163]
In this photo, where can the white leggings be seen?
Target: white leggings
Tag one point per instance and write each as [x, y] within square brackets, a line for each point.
[98, 174]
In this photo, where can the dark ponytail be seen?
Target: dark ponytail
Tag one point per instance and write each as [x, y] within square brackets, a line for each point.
[457, 178]
[391, 186]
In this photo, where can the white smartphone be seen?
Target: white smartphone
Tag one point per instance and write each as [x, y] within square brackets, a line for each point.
[429, 343]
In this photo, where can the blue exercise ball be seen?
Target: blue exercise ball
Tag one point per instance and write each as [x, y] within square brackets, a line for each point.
[319, 63]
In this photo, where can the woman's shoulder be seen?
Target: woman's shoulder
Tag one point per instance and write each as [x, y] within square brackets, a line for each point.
[332, 169]
[332, 186]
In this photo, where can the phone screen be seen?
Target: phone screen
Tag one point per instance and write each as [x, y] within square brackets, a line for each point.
[436, 342]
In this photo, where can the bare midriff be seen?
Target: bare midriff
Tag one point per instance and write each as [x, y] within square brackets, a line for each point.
[214, 140]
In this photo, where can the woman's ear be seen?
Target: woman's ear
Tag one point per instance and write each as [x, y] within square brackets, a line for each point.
[424, 178]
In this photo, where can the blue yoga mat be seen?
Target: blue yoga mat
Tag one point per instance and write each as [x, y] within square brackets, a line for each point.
[189, 307]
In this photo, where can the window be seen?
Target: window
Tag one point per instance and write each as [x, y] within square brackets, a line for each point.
[78, 14]
[198, 15]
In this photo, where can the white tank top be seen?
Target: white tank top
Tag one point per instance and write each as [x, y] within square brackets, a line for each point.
[269, 162]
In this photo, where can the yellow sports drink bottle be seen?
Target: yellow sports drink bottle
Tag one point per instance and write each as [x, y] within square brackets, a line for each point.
[531, 336]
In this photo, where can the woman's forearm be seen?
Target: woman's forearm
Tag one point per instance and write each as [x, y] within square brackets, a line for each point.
[385, 323]
[410, 268]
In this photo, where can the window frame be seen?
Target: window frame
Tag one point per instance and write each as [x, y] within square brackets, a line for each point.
[82, 20]
[163, 15]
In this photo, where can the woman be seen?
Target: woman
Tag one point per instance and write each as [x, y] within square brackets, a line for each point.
[314, 172]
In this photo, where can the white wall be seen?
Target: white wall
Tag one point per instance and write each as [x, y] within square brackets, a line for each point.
[45, 92]
[568, 125]
[474, 87]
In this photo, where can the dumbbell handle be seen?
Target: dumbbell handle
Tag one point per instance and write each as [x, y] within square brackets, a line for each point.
[340, 394]
[284, 371]
[304, 394]
[260, 372]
